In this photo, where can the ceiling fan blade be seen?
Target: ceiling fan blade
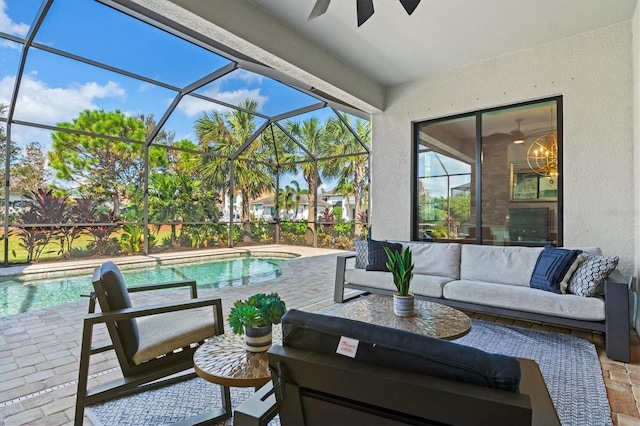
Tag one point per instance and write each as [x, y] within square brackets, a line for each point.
[364, 10]
[319, 8]
[410, 5]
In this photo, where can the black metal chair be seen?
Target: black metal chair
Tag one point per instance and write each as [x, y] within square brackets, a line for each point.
[154, 345]
[336, 371]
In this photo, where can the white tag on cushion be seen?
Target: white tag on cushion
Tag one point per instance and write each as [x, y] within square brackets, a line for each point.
[347, 347]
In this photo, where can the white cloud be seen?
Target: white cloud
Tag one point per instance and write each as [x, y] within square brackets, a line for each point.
[39, 103]
[192, 106]
[246, 76]
[8, 26]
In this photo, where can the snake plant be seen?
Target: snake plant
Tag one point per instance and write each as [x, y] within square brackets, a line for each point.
[401, 266]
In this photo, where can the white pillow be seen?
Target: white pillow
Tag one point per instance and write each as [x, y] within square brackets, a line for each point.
[564, 284]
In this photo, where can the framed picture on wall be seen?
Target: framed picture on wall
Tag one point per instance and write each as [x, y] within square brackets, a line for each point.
[529, 186]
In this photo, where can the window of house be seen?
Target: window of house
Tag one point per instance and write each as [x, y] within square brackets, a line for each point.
[490, 177]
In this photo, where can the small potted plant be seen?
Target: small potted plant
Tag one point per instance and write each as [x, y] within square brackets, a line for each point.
[401, 266]
[254, 317]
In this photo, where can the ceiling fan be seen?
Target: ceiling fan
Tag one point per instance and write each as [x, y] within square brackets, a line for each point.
[364, 8]
[516, 135]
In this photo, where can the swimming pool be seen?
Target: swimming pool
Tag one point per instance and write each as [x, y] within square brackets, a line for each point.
[19, 295]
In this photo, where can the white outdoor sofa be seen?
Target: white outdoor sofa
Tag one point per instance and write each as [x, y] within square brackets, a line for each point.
[495, 279]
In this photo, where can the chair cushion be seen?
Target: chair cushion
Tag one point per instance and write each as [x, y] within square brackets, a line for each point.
[401, 349]
[117, 297]
[163, 333]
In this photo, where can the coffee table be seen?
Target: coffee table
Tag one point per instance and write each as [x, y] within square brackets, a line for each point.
[430, 318]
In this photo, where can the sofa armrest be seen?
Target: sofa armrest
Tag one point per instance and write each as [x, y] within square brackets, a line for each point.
[341, 265]
[617, 338]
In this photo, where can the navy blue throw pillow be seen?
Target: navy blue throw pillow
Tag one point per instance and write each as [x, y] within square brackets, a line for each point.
[378, 256]
[551, 267]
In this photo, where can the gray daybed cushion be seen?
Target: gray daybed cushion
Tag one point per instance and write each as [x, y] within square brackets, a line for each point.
[498, 264]
[424, 285]
[401, 349]
[526, 299]
[440, 259]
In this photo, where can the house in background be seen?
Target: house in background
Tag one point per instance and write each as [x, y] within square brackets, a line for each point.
[263, 208]
[346, 202]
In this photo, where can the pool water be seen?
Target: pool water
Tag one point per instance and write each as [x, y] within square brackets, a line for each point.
[19, 295]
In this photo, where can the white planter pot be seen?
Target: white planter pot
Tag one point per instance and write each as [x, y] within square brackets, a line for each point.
[403, 305]
[258, 339]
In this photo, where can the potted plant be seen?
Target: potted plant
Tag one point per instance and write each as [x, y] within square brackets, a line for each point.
[401, 266]
[254, 317]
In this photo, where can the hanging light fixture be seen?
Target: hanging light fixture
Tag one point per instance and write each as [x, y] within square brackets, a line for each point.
[542, 155]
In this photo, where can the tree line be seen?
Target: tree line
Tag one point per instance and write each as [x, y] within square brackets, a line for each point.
[107, 157]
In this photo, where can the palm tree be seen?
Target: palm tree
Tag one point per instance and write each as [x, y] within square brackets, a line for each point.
[285, 198]
[309, 134]
[223, 135]
[349, 168]
[296, 195]
[345, 188]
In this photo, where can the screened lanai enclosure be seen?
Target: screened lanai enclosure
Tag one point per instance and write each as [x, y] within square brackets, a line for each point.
[121, 134]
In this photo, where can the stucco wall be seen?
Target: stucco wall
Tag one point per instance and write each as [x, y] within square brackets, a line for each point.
[593, 72]
[636, 134]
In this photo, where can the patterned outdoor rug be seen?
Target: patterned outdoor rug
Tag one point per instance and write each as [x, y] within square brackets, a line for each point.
[569, 365]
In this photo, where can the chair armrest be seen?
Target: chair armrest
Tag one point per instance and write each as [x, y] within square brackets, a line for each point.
[617, 318]
[341, 264]
[142, 311]
[170, 284]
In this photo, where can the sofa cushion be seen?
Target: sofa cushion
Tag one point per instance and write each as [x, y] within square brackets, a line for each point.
[498, 264]
[440, 259]
[362, 253]
[588, 279]
[401, 349]
[551, 267]
[421, 285]
[378, 256]
[526, 299]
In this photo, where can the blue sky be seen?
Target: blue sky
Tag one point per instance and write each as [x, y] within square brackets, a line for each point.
[55, 89]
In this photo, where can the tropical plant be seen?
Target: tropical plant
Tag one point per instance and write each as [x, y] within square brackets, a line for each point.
[309, 133]
[327, 219]
[363, 219]
[54, 214]
[224, 136]
[256, 311]
[401, 266]
[88, 211]
[132, 238]
[349, 143]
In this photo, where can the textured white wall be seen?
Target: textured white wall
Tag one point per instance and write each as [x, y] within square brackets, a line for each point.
[593, 72]
[636, 134]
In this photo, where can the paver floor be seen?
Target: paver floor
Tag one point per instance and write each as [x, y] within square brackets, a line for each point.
[40, 349]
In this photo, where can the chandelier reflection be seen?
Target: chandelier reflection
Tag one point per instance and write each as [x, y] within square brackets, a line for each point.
[542, 156]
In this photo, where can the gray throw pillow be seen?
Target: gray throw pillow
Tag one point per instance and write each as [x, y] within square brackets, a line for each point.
[362, 253]
[588, 279]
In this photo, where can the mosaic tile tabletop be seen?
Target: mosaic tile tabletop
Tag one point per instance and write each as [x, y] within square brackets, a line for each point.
[430, 319]
[225, 360]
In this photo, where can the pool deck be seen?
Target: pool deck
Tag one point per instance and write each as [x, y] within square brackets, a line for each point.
[40, 349]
